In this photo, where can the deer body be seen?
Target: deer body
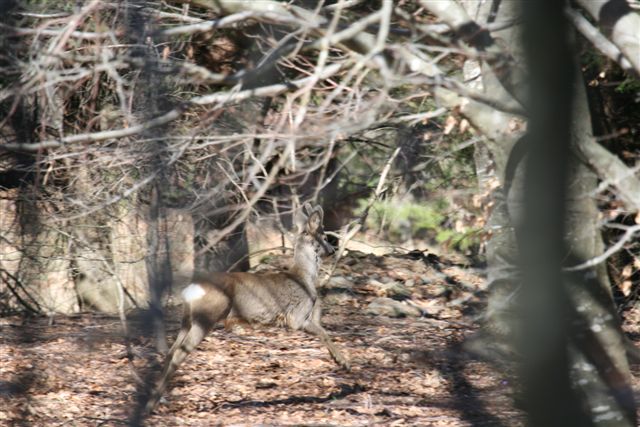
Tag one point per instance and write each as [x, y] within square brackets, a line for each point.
[287, 299]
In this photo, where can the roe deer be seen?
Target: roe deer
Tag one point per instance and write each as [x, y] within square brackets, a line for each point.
[287, 298]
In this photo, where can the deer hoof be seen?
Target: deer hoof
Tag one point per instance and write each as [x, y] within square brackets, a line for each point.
[343, 363]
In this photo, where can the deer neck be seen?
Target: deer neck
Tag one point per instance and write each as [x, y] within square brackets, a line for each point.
[306, 265]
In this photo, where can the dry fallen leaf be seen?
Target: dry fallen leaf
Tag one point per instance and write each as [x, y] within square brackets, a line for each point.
[401, 373]
[449, 124]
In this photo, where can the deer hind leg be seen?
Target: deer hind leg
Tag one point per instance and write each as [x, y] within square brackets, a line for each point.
[188, 339]
[316, 329]
[197, 322]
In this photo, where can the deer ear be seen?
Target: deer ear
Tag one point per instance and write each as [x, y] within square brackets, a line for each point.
[307, 209]
[320, 212]
[301, 217]
[314, 222]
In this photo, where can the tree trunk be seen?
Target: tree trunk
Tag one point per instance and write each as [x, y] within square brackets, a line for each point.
[230, 254]
[598, 360]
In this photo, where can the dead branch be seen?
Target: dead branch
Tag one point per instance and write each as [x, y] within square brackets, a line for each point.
[599, 41]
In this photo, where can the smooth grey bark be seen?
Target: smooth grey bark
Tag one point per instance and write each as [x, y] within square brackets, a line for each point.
[598, 361]
[620, 23]
[475, 34]
[598, 356]
[502, 132]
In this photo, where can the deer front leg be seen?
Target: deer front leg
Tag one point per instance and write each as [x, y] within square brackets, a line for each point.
[316, 329]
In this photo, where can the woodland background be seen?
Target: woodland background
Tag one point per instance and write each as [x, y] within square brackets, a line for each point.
[493, 144]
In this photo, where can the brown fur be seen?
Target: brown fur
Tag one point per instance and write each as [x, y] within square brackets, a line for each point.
[286, 298]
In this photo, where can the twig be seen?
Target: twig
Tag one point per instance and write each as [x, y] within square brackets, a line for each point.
[17, 31]
[96, 136]
[221, 234]
[612, 170]
[231, 20]
[17, 295]
[220, 98]
[628, 234]
[349, 233]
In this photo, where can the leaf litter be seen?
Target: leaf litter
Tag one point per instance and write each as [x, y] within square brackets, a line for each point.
[406, 370]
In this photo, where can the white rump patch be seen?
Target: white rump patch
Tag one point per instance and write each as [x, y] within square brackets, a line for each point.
[192, 292]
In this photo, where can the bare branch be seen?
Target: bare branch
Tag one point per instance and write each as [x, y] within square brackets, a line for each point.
[599, 40]
[480, 38]
[621, 23]
[87, 35]
[262, 7]
[217, 98]
[231, 20]
[351, 231]
[626, 237]
[612, 170]
[96, 136]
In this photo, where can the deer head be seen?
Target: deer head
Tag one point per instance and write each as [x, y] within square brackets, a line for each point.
[312, 232]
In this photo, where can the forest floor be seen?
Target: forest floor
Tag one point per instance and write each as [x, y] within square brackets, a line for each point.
[74, 371]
